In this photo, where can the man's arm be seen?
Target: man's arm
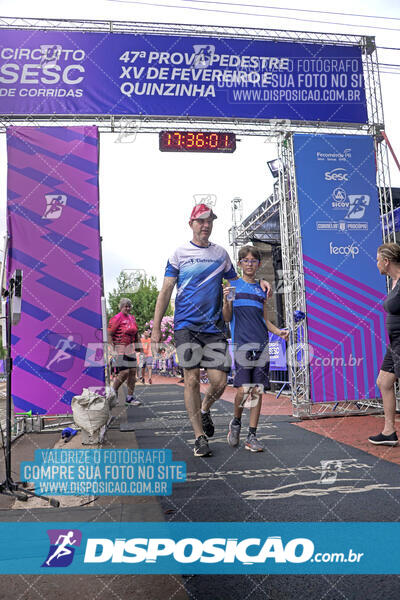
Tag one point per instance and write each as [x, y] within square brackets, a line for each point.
[161, 306]
[283, 333]
[265, 285]
[226, 305]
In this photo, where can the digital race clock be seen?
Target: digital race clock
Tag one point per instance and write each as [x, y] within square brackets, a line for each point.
[197, 141]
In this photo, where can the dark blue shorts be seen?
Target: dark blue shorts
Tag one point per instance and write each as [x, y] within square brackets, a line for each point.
[202, 350]
[252, 374]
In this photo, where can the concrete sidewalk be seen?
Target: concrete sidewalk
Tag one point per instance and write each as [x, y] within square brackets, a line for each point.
[84, 509]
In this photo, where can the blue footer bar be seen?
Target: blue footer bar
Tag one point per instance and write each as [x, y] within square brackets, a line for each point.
[197, 548]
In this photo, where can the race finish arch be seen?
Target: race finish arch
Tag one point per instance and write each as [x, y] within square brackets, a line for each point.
[314, 94]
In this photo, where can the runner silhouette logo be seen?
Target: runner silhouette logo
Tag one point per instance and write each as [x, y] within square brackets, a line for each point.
[204, 54]
[62, 351]
[358, 204]
[62, 547]
[54, 206]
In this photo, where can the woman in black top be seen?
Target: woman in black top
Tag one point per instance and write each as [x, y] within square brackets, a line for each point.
[388, 263]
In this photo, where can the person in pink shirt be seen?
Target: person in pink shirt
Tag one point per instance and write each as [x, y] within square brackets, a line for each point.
[122, 335]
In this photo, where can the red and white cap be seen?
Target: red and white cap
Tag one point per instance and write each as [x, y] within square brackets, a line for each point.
[202, 211]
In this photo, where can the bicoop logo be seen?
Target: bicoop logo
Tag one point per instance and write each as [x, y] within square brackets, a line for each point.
[62, 547]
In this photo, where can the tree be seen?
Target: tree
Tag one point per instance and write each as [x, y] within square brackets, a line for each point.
[142, 292]
[167, 329]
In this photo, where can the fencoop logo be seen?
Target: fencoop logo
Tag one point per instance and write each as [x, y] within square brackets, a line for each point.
[191, 550]
[333, 156]
[62, 547]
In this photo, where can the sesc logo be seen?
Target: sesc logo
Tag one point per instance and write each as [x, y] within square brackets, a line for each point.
[338, 174]
[351, 250]
[191, 550]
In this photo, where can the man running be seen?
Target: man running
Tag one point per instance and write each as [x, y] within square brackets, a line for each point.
[198, 268]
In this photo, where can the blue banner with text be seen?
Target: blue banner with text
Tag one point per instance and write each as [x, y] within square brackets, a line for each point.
[198, 548]
[340, 232]
[71, 72]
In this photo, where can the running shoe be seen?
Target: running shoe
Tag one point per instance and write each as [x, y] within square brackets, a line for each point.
[150, 381]
[142, 380]
[208, 425]
[201, 447]
[132, 401]
[384, 440]
[233, 434]
[253, 444]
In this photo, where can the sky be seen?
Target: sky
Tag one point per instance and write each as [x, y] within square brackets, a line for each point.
[146, 196]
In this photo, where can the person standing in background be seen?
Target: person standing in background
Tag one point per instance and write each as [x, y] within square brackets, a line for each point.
[122, 335]
[388, 263]
[146, 359]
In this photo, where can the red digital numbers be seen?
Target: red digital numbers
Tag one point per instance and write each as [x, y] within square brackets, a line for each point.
[197, 141]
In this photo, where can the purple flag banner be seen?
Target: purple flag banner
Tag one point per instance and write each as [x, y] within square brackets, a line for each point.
[53, 225]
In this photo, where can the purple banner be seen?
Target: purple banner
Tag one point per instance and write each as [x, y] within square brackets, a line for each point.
[53, 224]
[340, 228]
[102, 73]
[277, 353]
